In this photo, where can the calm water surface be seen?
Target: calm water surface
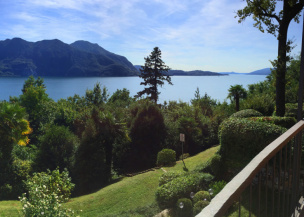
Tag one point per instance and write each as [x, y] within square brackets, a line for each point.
[183, 87]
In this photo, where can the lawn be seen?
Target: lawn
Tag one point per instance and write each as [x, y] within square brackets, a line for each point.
[131, 196]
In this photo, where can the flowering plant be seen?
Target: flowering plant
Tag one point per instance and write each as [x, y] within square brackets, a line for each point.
[46, 192]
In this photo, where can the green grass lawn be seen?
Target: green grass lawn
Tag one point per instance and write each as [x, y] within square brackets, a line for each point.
[131, 196]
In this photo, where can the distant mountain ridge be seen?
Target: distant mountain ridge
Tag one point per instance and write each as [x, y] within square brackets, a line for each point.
[79, 59]
[174, 72]
[55, 58]
[265, 71]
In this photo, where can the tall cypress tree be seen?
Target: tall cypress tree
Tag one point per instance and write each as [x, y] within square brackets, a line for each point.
[154, 73]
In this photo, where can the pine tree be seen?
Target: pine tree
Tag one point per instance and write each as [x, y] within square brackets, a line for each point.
[154, 73]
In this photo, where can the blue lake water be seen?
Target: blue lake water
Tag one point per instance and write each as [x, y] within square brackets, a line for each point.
[183, 87]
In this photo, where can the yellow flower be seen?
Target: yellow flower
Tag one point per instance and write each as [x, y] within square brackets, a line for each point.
[24, 138]
[24, 141]
[28, 130]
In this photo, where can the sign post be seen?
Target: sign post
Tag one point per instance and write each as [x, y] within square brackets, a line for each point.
[182, 139]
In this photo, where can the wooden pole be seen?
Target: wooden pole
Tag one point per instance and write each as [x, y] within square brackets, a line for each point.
[300, 95]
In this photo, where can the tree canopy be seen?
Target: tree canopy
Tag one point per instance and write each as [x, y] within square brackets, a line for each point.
[266, 15]
[236, 92]
[154, 74]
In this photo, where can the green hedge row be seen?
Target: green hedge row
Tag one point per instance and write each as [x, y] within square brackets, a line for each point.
[246, 113]
[180, 187]
[169, 176]
[291, 110]
[242, 139]
[286, 122]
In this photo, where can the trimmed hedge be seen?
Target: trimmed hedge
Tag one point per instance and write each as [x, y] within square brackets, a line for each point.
[213, 166]
[263, 103]
[286, 122]
[291, 110]
[166, 157]
[242, 139]
[199, 206]
[246, 114]
[186, 210]
[168, 194]
[169, 176]
[201, 195]
[217, 187]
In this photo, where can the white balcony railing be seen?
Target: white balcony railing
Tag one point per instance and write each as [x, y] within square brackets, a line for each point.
[270, 185]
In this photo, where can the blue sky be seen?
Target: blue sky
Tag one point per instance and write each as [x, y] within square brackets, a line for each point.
[192, 34]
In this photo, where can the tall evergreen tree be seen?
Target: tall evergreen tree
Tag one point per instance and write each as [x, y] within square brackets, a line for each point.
[154, 73]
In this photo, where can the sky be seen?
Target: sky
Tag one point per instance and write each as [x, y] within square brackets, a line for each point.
[192, 34]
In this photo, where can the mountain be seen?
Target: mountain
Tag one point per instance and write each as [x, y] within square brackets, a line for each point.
[265, 71]
[230, 73]
[188, 73]
[55, 58]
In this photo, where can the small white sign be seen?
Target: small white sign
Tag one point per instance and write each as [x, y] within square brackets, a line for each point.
[182, 137]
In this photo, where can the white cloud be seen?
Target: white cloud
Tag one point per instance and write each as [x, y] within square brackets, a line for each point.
[191, 33]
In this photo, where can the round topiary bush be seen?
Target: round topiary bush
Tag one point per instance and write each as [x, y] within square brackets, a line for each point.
[199, 206]
[184, 208]
[201, 195]
[246, 114]
[166, 157]
[242, 139]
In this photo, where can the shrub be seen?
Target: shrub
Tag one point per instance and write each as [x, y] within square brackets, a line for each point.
[242, 139]
[214, 166]
[14, 185]
[46, 192]
[263, 103]
[168, 194]
[147, 133]
[166, 157]
[184, 208]
[246, 114]
[59, 146]
[199, 206]
[90, 172]
[6, 192]
[217, 187]
[168, 177]
[286, 122]
[184, 156]
[292, 110]
[201, 195]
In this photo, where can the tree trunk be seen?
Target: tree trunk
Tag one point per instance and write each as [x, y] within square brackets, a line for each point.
[155, 84]
[237, 103]
[109, 156]
[281, 70]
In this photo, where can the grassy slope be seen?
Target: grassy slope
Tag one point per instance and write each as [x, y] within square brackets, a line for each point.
[131, 196]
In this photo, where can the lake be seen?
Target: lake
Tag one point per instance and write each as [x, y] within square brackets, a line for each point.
[183, 87]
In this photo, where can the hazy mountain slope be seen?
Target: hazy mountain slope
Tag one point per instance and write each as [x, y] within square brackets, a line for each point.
[55, 58]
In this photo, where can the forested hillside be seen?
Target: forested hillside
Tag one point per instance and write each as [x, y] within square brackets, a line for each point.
[55, 58]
